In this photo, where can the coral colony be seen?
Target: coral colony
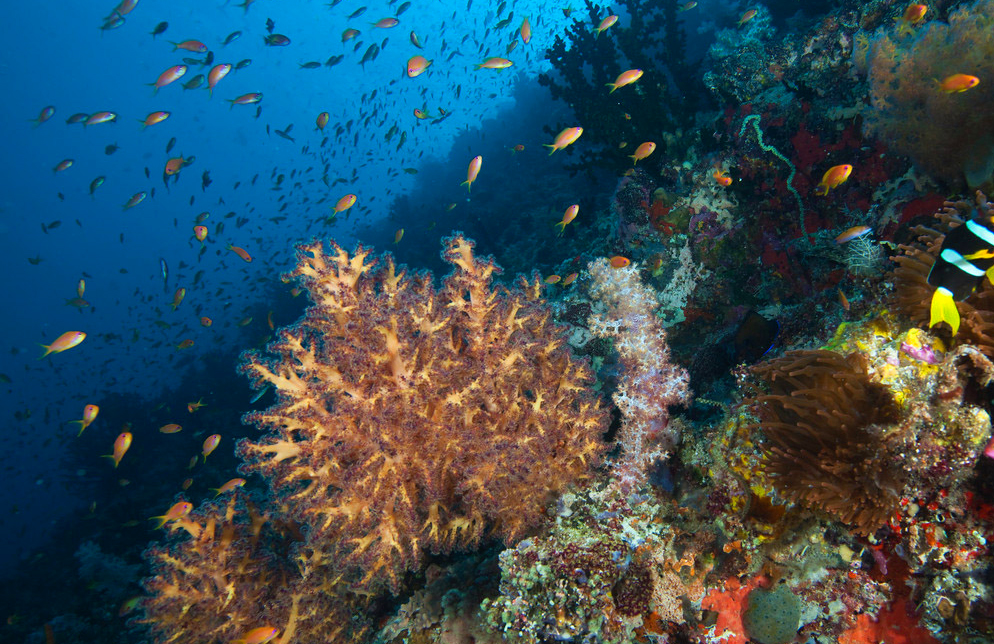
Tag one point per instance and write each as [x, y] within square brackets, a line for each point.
[729, 429]
[747, 400]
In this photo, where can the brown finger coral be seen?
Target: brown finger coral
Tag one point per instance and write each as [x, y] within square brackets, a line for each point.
[825, 436]
[410, 419]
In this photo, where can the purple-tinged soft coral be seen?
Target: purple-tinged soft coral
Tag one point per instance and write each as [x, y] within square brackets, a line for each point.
[924, 353]
[651, 382]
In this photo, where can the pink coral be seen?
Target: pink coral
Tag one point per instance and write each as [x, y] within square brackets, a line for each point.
[651, 382]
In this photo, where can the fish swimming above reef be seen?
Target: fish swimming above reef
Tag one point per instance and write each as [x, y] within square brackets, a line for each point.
[965, 259]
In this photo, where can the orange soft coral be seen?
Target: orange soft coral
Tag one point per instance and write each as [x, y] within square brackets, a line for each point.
[947, 135]
[410, 419]
[223, 576]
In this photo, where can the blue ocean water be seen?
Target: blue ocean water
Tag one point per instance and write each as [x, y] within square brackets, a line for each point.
[268, 192]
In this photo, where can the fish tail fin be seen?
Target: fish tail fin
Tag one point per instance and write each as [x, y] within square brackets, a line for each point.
[546, 145]
[612, 86]
[821, 190]
[47, 348]
[468, 184]
[633, 158]
[161, 519]
[561, 225]
[943, 309]
[82, 426]
[111, 457]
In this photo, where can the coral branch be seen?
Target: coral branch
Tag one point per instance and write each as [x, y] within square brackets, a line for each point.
[650, 383]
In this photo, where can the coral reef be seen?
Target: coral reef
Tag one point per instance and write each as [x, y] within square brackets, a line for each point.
[949, 135]
[650, 382]
[411, 420]
[912, 292]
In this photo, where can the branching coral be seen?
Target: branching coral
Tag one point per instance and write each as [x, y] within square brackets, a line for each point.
[949, 135]
[825, 426]
[411, 419]
[229, 577]
[650, 381]
[913, 294]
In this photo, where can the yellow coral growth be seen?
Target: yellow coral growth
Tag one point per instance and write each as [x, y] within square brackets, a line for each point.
[410, 419]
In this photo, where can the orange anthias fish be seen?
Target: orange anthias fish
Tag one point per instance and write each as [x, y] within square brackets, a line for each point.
[721, 177]
[564, 138]
[121, 445]
[386, 23]
[154, 118]
[195, 46]
[260, 635]
[416, 66]
[625, 78]
[525, 31]
[958, 83]
[136, 199]
[606, 23]
[216, 74]
[210, 444]
[185, 344]
[569, 279]
[100, 117]
[553, 279]
[241, 252]
[568, 216]
[833, 178]
[246, 99]
[747, 16]
[349, 34]
[642, 152]
[229, 486]
[852, 233]
[45, 114]
[322, 120]
[67, 340]
[472, 171]
[914, 13]
[172, 74]
[171, 428]
[345, 203]
[494, 63]
[200, 233]
[206, 321]
[89, 415]
[178, 297]
[174, 165]
[619, 262]
[397, 236]
[178, 511]
[194, 406]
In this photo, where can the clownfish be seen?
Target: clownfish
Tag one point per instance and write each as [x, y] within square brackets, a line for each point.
[965, 258]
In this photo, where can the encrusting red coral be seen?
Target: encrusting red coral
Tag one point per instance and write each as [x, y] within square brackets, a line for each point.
[410, 419]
